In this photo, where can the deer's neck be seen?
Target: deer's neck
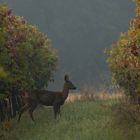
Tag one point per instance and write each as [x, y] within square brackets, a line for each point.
[65, 92]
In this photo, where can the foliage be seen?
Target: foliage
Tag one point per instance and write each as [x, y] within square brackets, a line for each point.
[126, 118]
[124, 57]
[26, 57]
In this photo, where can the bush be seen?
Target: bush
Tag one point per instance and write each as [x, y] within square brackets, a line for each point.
[26, 59]
[124, 59]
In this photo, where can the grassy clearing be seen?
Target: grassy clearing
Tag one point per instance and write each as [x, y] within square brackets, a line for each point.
[86, 116]
[83, 120]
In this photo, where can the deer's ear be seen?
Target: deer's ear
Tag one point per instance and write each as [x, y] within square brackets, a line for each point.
[66, 78]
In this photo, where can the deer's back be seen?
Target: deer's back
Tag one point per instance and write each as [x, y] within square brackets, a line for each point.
[48, 98]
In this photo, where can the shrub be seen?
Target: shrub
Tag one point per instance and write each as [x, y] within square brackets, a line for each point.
[27, 60]
[124, 59]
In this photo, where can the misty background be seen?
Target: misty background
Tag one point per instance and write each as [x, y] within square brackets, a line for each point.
[79, 30]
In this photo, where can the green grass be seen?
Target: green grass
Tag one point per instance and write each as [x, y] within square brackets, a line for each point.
[82, 120]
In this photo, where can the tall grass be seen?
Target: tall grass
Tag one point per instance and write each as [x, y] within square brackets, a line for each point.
[86, 116]
[126, 116]
[81, 120]
[93, 94]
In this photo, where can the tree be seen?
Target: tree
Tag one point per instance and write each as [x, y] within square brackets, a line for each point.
[27, 61]
[124, 58]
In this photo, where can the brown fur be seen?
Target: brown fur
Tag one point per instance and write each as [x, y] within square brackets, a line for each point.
[47, 98]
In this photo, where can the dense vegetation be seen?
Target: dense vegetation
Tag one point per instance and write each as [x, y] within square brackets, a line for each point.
[124, 62]
[27, 62]
[26, 58]
[124, 58]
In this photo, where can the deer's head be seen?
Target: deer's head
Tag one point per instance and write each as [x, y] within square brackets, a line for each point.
[68, 83]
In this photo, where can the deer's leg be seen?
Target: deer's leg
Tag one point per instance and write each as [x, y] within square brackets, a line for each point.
[56, 109]
[32, 108]
[23, 109]
[59, 112]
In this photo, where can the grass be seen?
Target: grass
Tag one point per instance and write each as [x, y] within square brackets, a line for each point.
[83, 120]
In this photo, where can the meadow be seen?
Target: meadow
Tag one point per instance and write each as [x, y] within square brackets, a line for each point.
[81, 119]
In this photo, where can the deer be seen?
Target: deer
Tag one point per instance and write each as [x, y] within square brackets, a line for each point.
[48, 98]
